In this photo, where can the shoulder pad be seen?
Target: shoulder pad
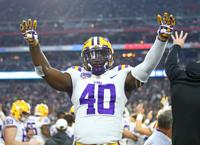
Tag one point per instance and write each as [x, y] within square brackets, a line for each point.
[9, 121]
[121, 67]
[78, 68]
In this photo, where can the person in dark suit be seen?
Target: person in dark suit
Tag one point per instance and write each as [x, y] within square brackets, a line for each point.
[185, 94]
[61, 137]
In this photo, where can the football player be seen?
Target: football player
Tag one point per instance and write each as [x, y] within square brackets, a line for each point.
[128, 135]
[70, 120]
[2, 118]
[40, 123]
[14, 131]
[69, 117]
[60, 114]
[98, 90]
[1, 127]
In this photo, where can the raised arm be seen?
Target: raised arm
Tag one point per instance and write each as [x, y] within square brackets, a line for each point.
[141, 72]
[55, 78]
[171, 64]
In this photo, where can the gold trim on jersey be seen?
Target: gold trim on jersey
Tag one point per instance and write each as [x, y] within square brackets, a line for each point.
[122, 66]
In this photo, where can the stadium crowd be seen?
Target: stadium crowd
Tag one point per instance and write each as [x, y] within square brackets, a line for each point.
[21, 61]
[38, 92]
[95, 9]
[62, 22]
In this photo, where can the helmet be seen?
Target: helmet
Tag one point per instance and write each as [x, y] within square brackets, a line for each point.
[97, 55]
[20, 109]
[41, 110]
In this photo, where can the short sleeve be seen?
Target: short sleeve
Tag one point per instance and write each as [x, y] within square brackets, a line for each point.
[9, 121]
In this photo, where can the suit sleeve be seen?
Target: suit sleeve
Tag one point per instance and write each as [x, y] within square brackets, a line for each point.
[172, 67]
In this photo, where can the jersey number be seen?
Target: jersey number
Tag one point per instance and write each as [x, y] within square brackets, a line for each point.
[31, 125]
[87, 97]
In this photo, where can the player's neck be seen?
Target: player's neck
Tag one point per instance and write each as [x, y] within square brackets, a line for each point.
[165, 131]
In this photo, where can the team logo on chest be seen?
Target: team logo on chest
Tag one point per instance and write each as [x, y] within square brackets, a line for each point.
[86, 75]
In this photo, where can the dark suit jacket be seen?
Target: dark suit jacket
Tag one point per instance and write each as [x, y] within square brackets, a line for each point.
[185, 96]
[60, 138]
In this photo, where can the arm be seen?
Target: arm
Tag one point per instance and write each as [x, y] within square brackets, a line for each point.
[139, 128]
[142, 71]
[55, 78]
[171, 64]
[140, 74]
[130, 135]
[149, 118]
[10, 134]
[139, 124]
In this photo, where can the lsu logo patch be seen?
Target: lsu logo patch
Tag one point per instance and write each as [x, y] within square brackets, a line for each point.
[86, 75]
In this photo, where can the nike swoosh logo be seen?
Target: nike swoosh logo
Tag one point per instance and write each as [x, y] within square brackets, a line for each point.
[113, 76]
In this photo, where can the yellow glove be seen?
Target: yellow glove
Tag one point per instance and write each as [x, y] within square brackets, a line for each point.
[28, 29]
[167, 23]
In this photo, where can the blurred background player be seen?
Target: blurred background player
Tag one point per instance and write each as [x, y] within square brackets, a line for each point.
[163, 133]
[98, 90]
[61, 137]
[2, 118]
[128, 135]
[60, 114]
[69, 117]
[141, 124]
[142, 128]
[14, 131]
[40, 123]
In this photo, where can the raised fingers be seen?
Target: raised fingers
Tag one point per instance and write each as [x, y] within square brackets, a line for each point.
[35, 24]
[23, 26]
[29, 24]
[172, 20]
[173, 38]
[176, 34]
[165, 17]
[159, 19]
[185, 36]
[181, 34]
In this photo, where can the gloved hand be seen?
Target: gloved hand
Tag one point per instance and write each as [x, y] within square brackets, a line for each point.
[167, 23]
[28, 29]
[164, 101]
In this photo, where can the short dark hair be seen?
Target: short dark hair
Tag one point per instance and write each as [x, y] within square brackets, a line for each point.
[60, 113]
[165, 119]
